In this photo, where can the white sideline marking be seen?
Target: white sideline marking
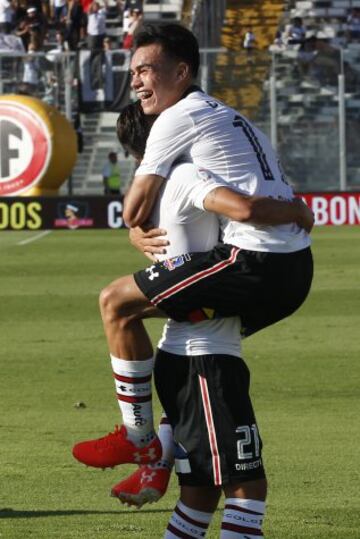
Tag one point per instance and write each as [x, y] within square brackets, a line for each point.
[34, 238]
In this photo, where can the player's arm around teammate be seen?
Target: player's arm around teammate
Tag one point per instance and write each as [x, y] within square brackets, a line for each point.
[123, 305]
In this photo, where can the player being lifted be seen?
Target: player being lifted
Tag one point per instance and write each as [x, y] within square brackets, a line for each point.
[261, 271]
[194, 361]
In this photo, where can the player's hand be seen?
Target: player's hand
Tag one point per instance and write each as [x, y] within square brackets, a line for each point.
[148, 240]
[306, 218]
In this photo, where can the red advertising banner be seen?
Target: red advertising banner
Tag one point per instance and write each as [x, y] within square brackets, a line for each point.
[334, 208]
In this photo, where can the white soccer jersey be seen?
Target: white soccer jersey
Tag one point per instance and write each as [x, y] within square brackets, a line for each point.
[206, 132]
[179, 210]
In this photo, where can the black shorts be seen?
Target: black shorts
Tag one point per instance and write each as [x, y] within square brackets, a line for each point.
[207, 401]
[262, 288]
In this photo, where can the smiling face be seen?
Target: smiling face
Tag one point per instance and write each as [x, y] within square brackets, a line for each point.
[158, 80]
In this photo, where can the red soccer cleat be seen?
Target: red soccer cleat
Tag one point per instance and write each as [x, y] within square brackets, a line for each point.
[146, 485]
[114, 449]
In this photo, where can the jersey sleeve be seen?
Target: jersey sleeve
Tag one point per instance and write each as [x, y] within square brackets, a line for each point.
[205, 182]
[171, 137]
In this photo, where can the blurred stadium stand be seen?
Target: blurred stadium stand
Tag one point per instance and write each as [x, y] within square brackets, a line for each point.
[303, 80]
[99, 128]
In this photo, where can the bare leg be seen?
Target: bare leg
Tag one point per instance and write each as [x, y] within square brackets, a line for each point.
[122, 305]
[253, 490]
[201, 498]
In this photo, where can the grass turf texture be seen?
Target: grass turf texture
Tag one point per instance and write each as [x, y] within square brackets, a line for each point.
[305, 387]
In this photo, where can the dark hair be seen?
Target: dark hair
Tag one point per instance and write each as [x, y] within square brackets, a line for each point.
[133, 128]
[176, 41]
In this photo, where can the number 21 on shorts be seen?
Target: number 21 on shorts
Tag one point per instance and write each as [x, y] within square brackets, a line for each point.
[248, 446]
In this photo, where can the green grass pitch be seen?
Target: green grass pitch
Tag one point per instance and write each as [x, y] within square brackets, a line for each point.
[305, 387]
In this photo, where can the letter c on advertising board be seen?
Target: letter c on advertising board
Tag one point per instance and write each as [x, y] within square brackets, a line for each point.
[115, 219]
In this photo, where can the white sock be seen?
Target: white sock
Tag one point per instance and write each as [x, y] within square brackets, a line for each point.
[186, 522]
[242, 519]
[133, 389]
[165, 435]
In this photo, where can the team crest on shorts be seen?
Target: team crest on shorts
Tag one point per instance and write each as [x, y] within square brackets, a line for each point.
[173, 263]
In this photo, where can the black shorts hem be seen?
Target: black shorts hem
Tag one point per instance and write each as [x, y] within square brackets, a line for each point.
[191, 481]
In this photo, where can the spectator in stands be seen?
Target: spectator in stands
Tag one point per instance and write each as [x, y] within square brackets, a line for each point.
[9, 42]
[20, 7]
[278, 40]
[353, 25]
[32, 28]
[53, 69]
[86, 5]
[6, 16]
[295, 33]
[326, 63]
[107, 44]
[320, 61]
[278, 45]
[96, 30]
[61, 43]
[96, 26]
[45, 8]
[127, 7]
[133, 4]
[74, 23]
[249, 42]
[111, 175]
[79, 133]
[32, 70]
[35, 3]
[58, 11]
[136, 19]
[306, 56]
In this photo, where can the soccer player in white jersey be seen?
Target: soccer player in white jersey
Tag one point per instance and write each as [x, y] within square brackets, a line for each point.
[192, 369]
[263, 275]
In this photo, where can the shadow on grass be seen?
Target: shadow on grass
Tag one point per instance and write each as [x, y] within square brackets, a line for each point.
[7, 512]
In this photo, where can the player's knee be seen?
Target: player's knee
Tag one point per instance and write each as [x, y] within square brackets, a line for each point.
[116, 301]
[109, 302]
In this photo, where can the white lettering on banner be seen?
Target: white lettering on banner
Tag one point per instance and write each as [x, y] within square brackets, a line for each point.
[338, 210]
[115, 219]
[335, 209]
[354, 210]
[319, 207]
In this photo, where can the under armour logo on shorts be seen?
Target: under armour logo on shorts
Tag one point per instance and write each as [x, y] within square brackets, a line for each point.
[152, 274]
